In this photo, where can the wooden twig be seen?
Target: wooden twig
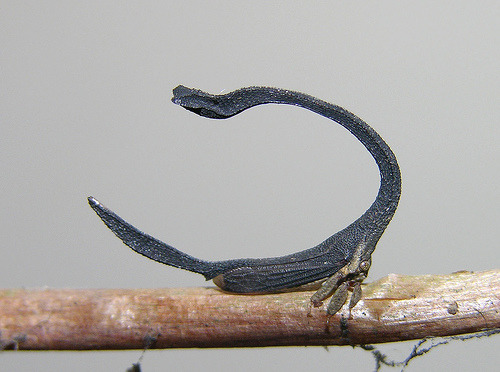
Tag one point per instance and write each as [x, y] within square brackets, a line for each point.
[394, 308]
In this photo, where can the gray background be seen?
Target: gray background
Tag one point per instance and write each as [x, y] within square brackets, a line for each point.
[85, 110]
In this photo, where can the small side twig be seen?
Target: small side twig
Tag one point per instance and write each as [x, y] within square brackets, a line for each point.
[381, 358]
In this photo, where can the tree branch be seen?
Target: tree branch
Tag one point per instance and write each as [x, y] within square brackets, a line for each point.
[394, 308]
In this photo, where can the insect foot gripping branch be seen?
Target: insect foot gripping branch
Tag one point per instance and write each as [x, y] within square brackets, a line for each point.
[342, 261]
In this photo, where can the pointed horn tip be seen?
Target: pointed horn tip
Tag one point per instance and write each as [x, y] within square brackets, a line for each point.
[92, 201]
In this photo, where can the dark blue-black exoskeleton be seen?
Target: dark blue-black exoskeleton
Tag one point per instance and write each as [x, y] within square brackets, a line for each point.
[341, 262]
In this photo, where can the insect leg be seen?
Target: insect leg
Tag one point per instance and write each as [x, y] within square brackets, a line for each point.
[328, 287]
[338, 299]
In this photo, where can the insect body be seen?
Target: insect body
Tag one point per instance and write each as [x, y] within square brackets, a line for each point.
[342, 261]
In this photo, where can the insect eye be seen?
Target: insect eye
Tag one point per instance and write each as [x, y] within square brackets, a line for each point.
[364, 266]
